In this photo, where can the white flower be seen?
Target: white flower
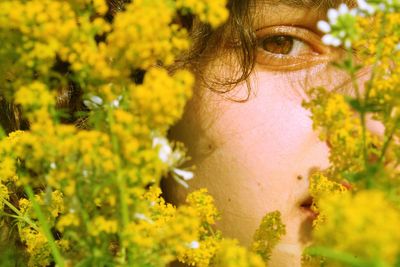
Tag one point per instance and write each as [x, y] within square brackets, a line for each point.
[324, 26]
[382, 6]
[194, 245]
[181, 176]
[186, 175]
[97, 100]
[141, 216]
[364, 6]
[343, 9]
[347, 44]
[335, 28]
[333, 15]
[93, 102]
[329, 39]
[172, 158]
[180, 181]
[115, 103]
[164, 150]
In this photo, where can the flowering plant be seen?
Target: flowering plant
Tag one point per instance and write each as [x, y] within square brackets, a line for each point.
[358, 223]
[90, 196]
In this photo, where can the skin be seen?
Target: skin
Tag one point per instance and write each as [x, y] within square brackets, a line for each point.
[255, 156]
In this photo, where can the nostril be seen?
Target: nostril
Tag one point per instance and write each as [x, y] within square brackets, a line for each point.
[307, 203]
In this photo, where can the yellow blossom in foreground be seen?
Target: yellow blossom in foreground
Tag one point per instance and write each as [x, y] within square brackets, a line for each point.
[142, 35]
[268, 235]
[201, 253]
[363, 224]
[204, 204]
[161, 98]
[4, 194]
[68, 220]
[101, 224]
[37, 247]
[230, 254]
[209, 11]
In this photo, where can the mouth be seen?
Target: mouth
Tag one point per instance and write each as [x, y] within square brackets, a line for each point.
[306, 207]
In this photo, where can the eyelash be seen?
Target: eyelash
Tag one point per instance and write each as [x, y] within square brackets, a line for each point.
[278, 61]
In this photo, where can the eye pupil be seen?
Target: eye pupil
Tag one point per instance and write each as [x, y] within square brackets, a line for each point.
[278, 44]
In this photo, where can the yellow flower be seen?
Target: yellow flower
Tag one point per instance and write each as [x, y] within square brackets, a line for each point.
[364, 224]
[4, 194]
[70, 219]
[204, 205]
[212, 12]
[268, 235]
[100, 224]
[230, 254]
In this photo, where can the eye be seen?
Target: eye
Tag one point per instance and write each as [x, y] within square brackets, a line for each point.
[290, 48]
[279, 44]
[285, 45]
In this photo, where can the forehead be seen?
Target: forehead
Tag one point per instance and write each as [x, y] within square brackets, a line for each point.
[324, 4]
[301, 12]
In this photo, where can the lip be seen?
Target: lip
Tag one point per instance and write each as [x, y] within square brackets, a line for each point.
[306, 208]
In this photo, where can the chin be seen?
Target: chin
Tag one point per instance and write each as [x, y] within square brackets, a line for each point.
[286, 255]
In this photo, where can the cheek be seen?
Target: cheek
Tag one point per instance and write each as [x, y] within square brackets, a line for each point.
[270, 128]
[259, 146]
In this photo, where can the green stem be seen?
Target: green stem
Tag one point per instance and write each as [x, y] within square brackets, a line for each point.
[388, 141]
[344, 257]
[363, 102]
[380, 46]
[45, 228]
[20, 215]
[121, 183]
[10, 215]
[362, 114]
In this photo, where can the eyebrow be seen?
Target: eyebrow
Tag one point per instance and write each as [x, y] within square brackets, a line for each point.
[319, 4]
[318, 8]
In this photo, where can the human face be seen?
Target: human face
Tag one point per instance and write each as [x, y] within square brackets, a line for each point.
[255, 157]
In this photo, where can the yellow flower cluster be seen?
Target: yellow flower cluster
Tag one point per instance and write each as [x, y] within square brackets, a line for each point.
[101, 224]
[142, 35]
[37, 247]
[161, 97]
[231, 254]
[383, 44]
[204, 204]
[37, 100]
[213, 12]
[339, 126]
[268, 235]
[320, 186]
[368, 213]
[209, 240]
[367, 220]
[42, 26]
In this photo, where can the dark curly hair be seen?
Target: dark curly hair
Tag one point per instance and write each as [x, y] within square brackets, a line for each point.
[236, 36]
[206, 41]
